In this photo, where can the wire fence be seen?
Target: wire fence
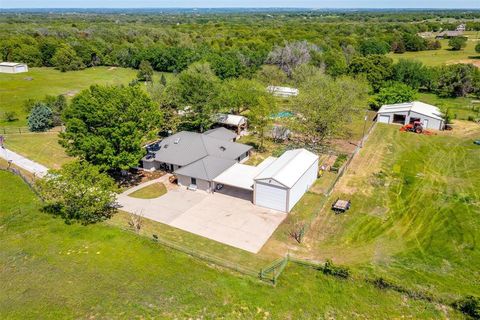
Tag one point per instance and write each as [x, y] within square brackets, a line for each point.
[22, 130]
[30, 181]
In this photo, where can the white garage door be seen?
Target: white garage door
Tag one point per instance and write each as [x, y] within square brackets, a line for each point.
[270, 196]
[384, 119]
[20, 69]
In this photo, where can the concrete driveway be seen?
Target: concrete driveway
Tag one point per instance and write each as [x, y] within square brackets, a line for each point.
[220, 217]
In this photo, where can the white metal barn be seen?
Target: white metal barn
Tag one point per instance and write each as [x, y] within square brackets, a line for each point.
[281, 185]
[404, 113]
[284, 92]
[13, 67]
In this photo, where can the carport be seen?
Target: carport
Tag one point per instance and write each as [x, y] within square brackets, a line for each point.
[238, 181]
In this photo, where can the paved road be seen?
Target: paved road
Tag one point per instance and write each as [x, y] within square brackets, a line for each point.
[24, 163]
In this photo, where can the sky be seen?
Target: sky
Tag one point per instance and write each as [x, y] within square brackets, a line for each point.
[240, 3]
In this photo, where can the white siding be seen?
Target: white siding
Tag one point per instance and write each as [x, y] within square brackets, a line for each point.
[302, 185]
[384, 118]
[270, 196]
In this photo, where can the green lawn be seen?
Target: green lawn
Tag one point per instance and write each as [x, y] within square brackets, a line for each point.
[52, 270]
[415, 216]
[150, 192]
[443, 55]
[41, 147]
[17, 88]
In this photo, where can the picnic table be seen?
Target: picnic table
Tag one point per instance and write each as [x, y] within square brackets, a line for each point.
[340, 206]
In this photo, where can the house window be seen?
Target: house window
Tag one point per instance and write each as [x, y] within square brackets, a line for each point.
[193, 181]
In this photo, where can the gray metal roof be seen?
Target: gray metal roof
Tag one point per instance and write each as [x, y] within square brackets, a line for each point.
[206, 168]
[221, 133]
[185, 147]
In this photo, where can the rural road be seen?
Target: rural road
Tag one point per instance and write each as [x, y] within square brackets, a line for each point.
[24, 163]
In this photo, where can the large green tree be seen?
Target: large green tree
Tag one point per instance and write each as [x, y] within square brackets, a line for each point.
[395, 93]
[65, 59]
[458, 80]
[325, 105]
[260, 116]
[197, 88]
[79, 192]
[410, 72]
[239, 95]
[376, 68]
[106, 125]
[457, 43]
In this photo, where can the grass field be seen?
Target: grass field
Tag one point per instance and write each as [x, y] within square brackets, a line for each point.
[150, 192]
[40, 147]
[415, 216]
[52, 270]
[444, 55]
[15, 89]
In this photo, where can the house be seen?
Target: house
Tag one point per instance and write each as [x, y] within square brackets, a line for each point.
[196, 158]
[231, 121]
[404, 113]
[449, 34]
[13, 67]
[284, 92]
[461, 27]
[425, 35]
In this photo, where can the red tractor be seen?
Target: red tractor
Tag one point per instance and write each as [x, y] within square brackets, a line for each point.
[416, 127]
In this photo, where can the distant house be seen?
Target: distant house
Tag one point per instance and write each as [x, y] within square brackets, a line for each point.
[404, 113]
[283, 91]
[13, 67]
[461, 27]
[425, 35]
[449, 34]
[231, 121]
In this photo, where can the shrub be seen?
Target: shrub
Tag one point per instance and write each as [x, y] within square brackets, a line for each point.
[79, 192]
[469, 305]
[40, 118]
[337, 271]
[457, 43]
[10, 116]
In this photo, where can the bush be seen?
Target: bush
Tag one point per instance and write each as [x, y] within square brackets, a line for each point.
[79, 192]
[337, 271]
[10, 116]
[469, 305]
[40, 118]
[457, 43]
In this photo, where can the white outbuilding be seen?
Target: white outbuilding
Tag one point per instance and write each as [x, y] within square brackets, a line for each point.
[404, 113]
[13, 67]
[283, 183]
[284, 92]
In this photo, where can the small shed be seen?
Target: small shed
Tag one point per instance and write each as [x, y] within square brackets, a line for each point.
[283, 183]
[231, 121]
[13, 67]
[406, 113]
[284, 92]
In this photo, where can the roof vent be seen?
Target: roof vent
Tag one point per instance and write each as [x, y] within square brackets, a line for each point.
[223, 148]
[176, 141]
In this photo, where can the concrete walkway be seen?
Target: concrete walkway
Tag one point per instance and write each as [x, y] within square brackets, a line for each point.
[24, 163]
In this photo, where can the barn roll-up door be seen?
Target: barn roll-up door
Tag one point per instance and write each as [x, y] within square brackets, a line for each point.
[383, 118]
[270, 196]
